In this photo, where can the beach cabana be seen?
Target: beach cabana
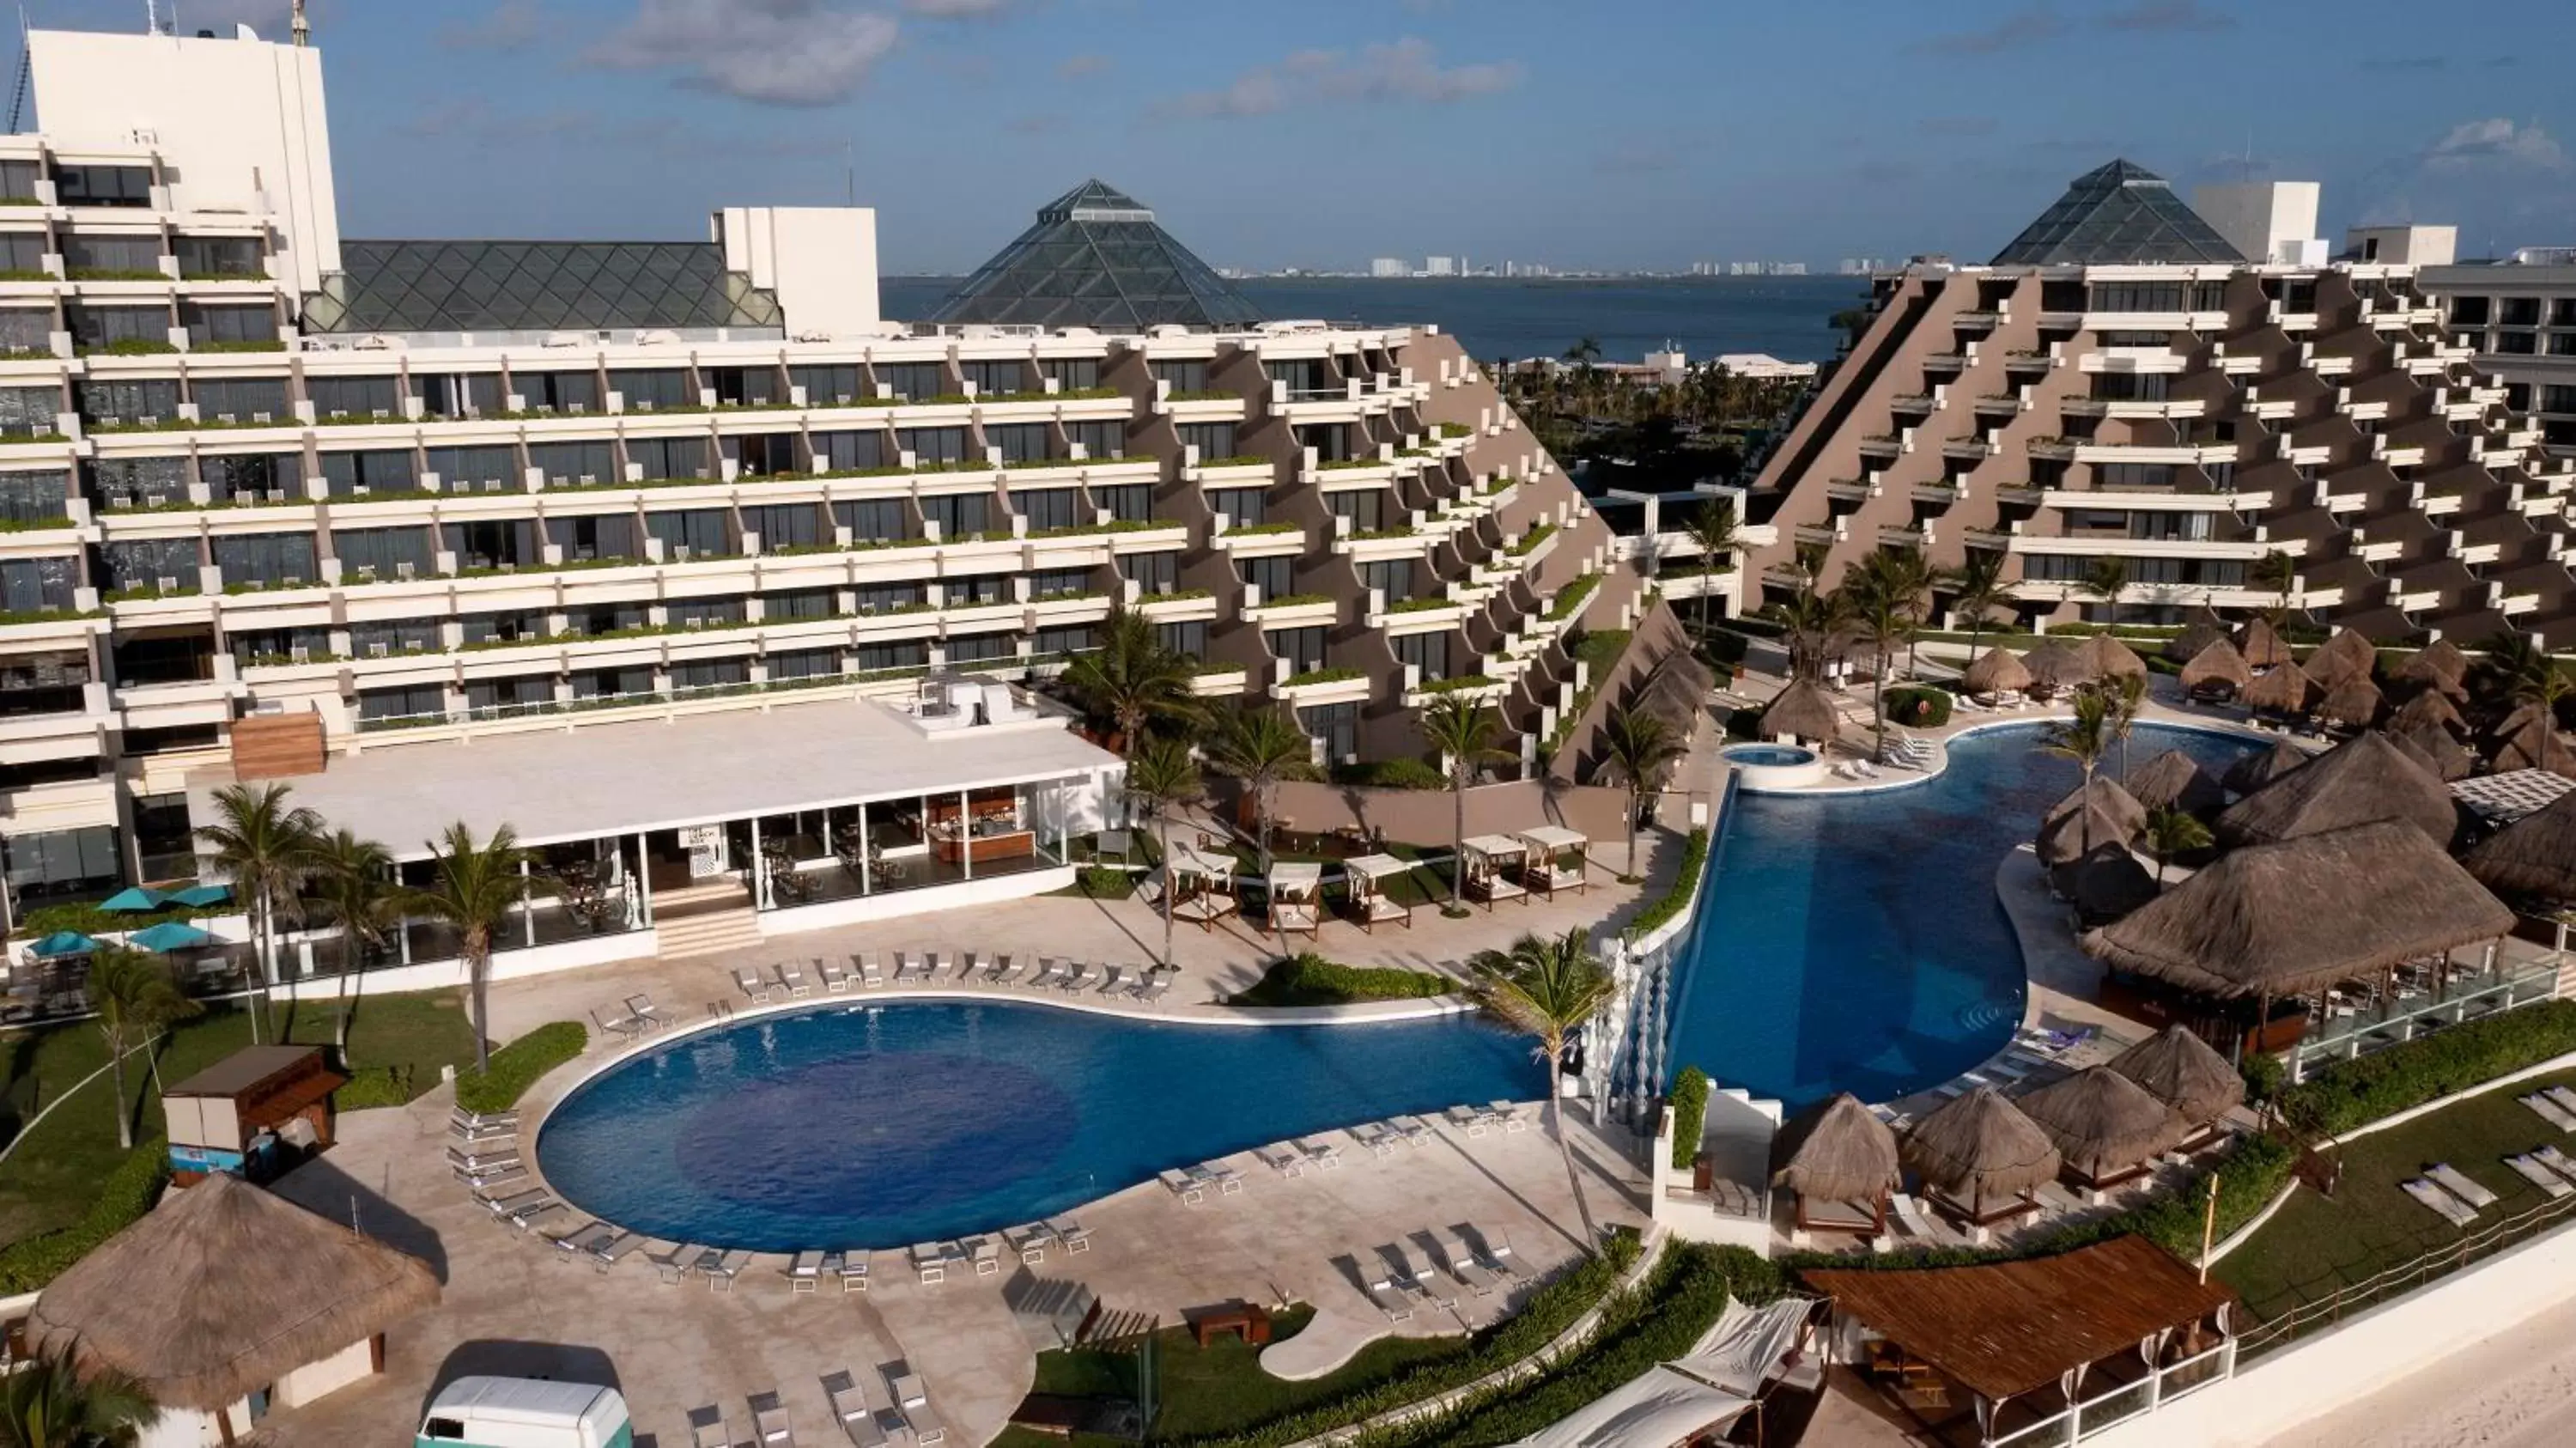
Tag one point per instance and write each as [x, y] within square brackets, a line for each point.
[1295, 892]
[1366, 876]
[2199, 631]
[2262, 644]
[2108, 1130]
[2354, 701]
[255, 1113]
[2174, 780]
[2179, 1069]
[1489, 869]
[2534, 858]
[2090, 816]
[2104, 884]
[1981, 1160]
[2437, 668]
[1548, 869]
[2257, 770]
[2109, 658]
[224, 1291]
[134, 900]
[2428, 709]
[2281, 691]
[1842, 1163]
[2363, 779]
[1199, 886]
[1802, 711]
[2053, 666]
[1998, 671]
[2347, 655]
[2217, 673]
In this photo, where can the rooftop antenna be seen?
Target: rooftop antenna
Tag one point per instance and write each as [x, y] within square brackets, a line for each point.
[850, 168]
[151, 17]
[303, 27]
[26, 64]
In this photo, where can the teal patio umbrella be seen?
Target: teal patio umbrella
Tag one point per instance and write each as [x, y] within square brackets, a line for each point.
[65, 942]
[198, 897]
[168, 936]
[134, 900]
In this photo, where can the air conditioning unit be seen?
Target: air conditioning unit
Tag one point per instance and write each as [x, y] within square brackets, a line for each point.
[262, 418]
[680, 553]
[376, 650]
[587, 479]
[226, 418]
[402, 570]
[168, 584]
[300, 653]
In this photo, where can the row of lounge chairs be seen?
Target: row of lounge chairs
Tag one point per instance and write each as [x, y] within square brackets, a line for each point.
[1194, 1184]
[1395, 1278]
[2555, 1105]
[1015, 968]
[2448, 1191]
[906, 1415]
[981, 1255]
[639, 1018]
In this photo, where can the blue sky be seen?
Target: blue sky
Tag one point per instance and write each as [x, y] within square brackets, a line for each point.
[1324, 132]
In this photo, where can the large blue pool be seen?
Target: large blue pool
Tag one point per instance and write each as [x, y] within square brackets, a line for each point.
[1854, 942]
[884, 1124]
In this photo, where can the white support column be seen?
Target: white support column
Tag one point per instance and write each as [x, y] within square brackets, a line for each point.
[965, 836]
[527, 903]
[760, 897]
[867, 866]
[644, 878]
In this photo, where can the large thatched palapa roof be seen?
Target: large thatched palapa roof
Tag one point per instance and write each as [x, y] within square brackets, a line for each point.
[2440, 667]
[1979, 1148]
[2111, 659]
[2344, 656]
[2295, 917]
[2428, 707]
[2199, 631]
[2257, 770]
[223, 1289]
[2353, 700]
[2262, 644]
[2055, 666]
[2284, 690]
[1836, 1151]
[1998, 670]
[2180, 1070]
[2217, 663]
[2104, 884]
[2361, 780]
[2102, 1121]
[1805, 710]
[2174, 780]
[2432, 746]
[2088, 818]
[2534, 856]
[2529, 739]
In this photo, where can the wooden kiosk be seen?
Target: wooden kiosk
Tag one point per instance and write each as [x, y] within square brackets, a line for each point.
[253, 1114]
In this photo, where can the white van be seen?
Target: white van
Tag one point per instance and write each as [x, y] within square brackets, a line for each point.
[525, 1413]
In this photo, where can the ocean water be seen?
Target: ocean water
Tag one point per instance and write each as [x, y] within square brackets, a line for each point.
[1788, 317]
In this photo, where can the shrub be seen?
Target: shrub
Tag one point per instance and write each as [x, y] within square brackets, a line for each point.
[1921, 708]
[1107, 882]
[1406, 773]
[374, 1086]
[1690, 1115]
[1685, 884]
[2351, 1093]
[1308, 979]
[1724, 648]
[516, 1066]
[128, 1192]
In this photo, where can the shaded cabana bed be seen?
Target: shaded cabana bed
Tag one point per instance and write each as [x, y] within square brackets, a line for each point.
[1998, 671]
[1546, 871]
[2217, 673]
[2363, 780]
[1802, 711]
[2529, 739]
[2103, 885]
[1367, 876]
[2109, 658]
[1199, 886]
[2283, 691]
[2107, 1129]
[2179, 1069]
[2340, 659]
[1842, 1163]
[1982, 1162]
[1296, 893]
[2040, 1340]
[2054, 668]
[1489, 868]
[2353, 701]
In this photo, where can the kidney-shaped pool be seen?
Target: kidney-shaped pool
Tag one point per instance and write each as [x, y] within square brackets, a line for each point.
[878, 1124]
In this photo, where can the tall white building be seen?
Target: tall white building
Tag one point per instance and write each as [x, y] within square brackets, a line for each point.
[1389, 266]
[1440, 266]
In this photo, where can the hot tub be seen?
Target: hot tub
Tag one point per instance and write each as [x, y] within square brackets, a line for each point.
[1765, 768]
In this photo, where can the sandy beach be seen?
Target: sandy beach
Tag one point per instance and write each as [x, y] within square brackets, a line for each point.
[2515, 1389]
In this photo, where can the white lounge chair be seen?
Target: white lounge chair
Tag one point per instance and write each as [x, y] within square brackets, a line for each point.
[1181, 1184]
[1116, 982]
[1075, 1237]
[672, 1259]
[1080, 979]
[1227, 1181]
[753, 985]
[871, 974]
[1910, 1211]
[1321, 1153]
[1030, 1241]
[721, 1268]
[646, 1014]
[792, 976]
[769, 1424]
[2458, 1184]
[2548, 1110]
[1375, 1137]
[1497, 1253]
[2530, 1169]
[1379, 1284]
[2565, 1099]
[983, 1253]
[836, 976]
[929, 1262]
[1005, 969]
[2557, 1161]
[1050, 971]
[805, 1273]
[2440, 1201]
[850, 1265]
[1285, 1162]
[938, 963]
[910, 969]
[1469, 1120]
[850, 1405]
[1155, 987]
[707, 1428]
[615, 1025]
[1505, 1115]
[1473, 1275]
[581, 1240]
[1412, 1129]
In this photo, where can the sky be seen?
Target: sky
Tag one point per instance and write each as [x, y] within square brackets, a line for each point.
[1322, 133]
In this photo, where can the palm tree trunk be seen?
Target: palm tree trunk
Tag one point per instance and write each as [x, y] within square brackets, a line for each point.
[2084, 813]
[124, 1117]
[1878, 703]
[1458, 845]
[1636, 808]
[1565, 1144]
[1163, 837]
[260, 948]
[478, 971]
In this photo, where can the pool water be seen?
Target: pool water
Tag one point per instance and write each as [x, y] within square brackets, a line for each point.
[885, 1124]
[1770, 754]
[1854, 942]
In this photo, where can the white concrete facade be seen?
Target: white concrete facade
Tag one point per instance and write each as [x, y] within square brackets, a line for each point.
[820, 260]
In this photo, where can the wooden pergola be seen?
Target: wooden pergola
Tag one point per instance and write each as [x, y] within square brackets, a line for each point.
[1545, 870]
[1365, 876]
[1199, 886]
[1487, 866]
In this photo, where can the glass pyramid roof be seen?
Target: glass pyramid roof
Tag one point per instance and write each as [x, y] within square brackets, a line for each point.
[526, 286]
[2114, 215]
[1096, 259]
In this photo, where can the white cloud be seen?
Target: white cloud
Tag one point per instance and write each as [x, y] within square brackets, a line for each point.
[773, 52]
[1406, 70]
[2496, 143]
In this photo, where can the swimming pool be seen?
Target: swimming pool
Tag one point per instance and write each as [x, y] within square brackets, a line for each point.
[1771, 755]
[884, 1124]
[1853, 942]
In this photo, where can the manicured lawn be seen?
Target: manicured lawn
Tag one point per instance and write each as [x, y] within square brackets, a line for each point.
[47, 1181]
[1311, 980]
[2313, 1246]
[1218, 1389]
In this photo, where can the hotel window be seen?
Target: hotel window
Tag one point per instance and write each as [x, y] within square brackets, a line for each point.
[645, 389]
[798, 603]
[38, 497]
[26, 332]
[1073, 374]
[1153, 573]
[598, 536]
[1019, 442]
[1242, 506]
[1366, 510]
[114, 257]
[2134, 477]
[278, 645]
[669, 457]
[743, 386]
[959, 514]
[1303, 377]
[2471, 311]
[203, 258]
[276, 477]
[932, 444]
[2562, 312]
[1275, 577]
[2521, 312]
[883, 598]
[494, 543]
[979, 590]
[383, 638]
[96, 327]
[510, 695]
[1430, 651]
[1331, 441]
[762, 454]
[601, 619]
[2131, 386]
[144, 562]
[2139, 297]
[996, 379]
[825, 386]
[2562, 344]
[2516, 344]
[1098, 439]
[22, 255]
[805, 664]
[354, 396]
[849, 452]
[875, 520]
[1185, 374]
[103, 185]
[475, 469]
[123, 483]
[2137, 339]
[29, 411]
[484, 628]
[574, 464]
[914, 381]
[875, 657]
[2169, 527]
[699, 530]
[274, 560]
[381, 552]
[1059, 582]
[557, 391]
[785, 525]
[1393, 576]
[623, 683]
[37, 585]
[1214, 440]
[457, 394]
[62, 864]
[1126, 502]
[708, 612]
[2556, 398]
[1072, 639]
[983, 648]
[1189, 640]
[1050, 507]
[18, 180]
[241, 399]
[218, 325]
[1336, 727]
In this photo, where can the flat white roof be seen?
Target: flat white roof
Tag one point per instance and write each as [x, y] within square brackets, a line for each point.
[2503, 798]
[1495, 845]
[618, 779]
[1554, 837]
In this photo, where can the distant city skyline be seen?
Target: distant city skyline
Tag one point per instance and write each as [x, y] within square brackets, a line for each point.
[1681, 133]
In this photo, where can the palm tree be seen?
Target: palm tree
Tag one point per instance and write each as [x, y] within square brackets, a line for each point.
[2128, 698]
[46, 1403]
[1261, 746]
[1548, 989]
[2279, 572]
[1903, 573]
[135, 997]
[353, 889]
[2104, 580]
[1132, 680]
[2172, 832]
[1977, 588]
[1812, 621]
[1872, 600]
[1638, 746]
[1461, 732]
[1712, 527]
[472, 888]
[1162, 776]
[2085, 738]
[266, 848]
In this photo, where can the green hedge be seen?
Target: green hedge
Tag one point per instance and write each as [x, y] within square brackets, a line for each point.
[1107, 882]
[374, 1086]
[1918, 707]
[1685, 884]
[2347, 1094]
[1404, 773]
[129, 1192]
[1725, 649]
[1308, 979]
[1549, 1312]
[516, 1066]
[1690, 1115]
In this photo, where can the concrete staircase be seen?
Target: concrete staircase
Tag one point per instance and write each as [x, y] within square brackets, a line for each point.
[706, 932]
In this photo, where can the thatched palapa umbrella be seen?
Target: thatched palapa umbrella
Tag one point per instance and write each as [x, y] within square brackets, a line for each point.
[2534, 857]
[2353, 700]
[2054, 666]
[2432, 746]
[2199, 631]
[2257, 770]
[224, 1289]
[2218, 663]
[2174, 780]
[2111, 659]
[2103, 885]
[2089, 817]
[1978, 1150]
[1805, 711]
[2282, 691]
[2363, 780]
[2106, 1127]
[2529, 739]
[2262, 644]
[2428, 707]
[2341, 657]
[2180, 1070]
[1836, 1151]
[2439, 667]
[1999, 671]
